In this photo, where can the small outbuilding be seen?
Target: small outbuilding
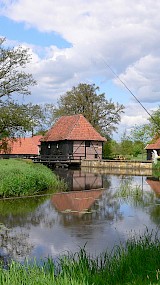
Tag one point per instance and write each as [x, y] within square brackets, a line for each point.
[73, 136]
[151, 147]
[22, 147]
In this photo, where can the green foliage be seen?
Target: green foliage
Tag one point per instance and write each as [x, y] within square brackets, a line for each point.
[110, 149]
[136, 262]
[13, 79]
[107, 150]
[138, 148]
[147, 132]
[141, 133]
[13, 119]
[156, 169]
[84, 99]
[131, 147]
[126, 148]
[155, 122]
[18, 177]
[126, 145]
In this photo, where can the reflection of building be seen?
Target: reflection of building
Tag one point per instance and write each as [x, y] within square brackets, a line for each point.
[154, 184]
[75, 202]
[78, 180]
[78, 201]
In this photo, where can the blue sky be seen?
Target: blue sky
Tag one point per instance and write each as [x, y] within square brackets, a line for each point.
[70, 41]
[19, 31]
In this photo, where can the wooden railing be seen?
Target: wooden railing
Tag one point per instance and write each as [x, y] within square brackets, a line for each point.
[57, 158]
[24, 156]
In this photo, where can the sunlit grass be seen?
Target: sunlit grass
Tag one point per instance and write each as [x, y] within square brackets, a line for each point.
[136, 262]
[19, 177]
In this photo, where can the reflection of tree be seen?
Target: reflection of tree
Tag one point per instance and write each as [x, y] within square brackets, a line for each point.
[155, 214]
[23, 212]
[134, 195]
[15, 244]
[106, 182]
[20, 206]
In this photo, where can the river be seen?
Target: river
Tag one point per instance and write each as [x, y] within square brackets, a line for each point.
[97, 212]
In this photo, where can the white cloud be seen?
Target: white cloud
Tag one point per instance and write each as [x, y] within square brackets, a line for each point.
[134, 115]
[143, 78]
[125, 34]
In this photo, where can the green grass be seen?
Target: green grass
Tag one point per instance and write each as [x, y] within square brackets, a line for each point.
[137, 262]
[20, 177]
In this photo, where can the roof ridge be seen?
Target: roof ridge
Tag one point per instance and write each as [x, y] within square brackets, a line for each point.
[74, 125]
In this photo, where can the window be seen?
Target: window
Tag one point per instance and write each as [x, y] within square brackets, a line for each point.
[87, 143]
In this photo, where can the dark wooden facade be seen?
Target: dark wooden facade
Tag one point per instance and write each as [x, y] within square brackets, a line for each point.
[63, 148]
[72, 149]
[72, 137]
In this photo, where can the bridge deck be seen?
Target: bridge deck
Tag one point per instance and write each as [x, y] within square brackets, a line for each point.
[57, 159]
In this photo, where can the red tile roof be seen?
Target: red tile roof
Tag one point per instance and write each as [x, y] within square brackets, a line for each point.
[155, 145]
[74, 127]
[24, 145]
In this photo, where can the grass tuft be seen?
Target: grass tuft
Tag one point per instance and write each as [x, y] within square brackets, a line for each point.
[20, 177]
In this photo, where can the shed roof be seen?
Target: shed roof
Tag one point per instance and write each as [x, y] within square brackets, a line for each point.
[74, 127]
[24, 145]
[155, 145]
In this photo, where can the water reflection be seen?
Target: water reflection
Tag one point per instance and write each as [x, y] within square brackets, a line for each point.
[154, 183]
[78, 180]
[100, 209]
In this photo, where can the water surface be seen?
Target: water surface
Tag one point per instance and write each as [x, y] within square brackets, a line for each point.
[97, 211]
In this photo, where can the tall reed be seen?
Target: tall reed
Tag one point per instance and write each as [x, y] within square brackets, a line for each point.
[137, 262]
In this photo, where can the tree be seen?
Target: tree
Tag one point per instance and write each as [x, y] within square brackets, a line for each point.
[147, 132]
[110, 149]
[84, 99]
[141, 133]
[154, 122]
[13, 79]
[126, 145]
[13, 119]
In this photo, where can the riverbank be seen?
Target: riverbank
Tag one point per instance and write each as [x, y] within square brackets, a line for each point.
[21, 177]
[136, 262]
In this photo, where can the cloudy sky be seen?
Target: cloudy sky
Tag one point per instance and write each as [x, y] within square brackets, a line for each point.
[74, 41]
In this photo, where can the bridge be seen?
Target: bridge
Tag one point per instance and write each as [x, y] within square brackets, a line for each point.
[49, 160]
[58, 160]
